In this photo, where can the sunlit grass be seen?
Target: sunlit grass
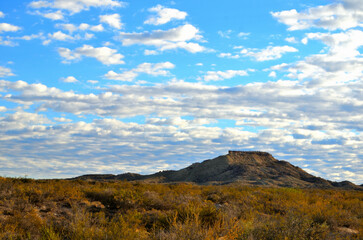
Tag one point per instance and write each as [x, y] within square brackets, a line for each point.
[61, 209]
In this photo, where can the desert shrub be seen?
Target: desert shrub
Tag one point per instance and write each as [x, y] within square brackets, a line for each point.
[60, 209]
[114, 199]
[156, 219]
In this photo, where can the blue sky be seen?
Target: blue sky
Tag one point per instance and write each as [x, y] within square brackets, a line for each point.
[105, 86]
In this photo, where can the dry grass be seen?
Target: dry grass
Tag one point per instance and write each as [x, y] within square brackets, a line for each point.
[61, 209]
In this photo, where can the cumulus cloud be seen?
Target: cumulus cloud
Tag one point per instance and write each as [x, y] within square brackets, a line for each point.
[5, 72]
[60, 36]
[269, 53]
[6, 27]
[174, 38]
[291, 40]
[222, 75]
[228, 55]
[154, 69]
[114, 20]
[10, 40]
[345, 15]
[272, 74]
[342, 63]
[7, 42]
[62, 119]
[293, 121]
[81, 27]
[74, 6]
[105, 55]
[69, 79]
[150, 52]
[342, 44]
[164, 15]
[58, 15]
[30, 37]
[2, 14]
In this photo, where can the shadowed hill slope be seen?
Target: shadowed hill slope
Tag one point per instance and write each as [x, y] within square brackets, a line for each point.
[243, 167]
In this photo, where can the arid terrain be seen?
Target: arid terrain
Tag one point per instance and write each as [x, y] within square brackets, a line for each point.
[241, 195]
[78, 209]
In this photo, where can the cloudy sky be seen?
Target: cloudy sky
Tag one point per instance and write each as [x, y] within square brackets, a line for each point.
[108, 86]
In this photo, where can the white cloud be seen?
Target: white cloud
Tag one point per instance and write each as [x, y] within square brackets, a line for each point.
[342, 62]
[221, 75]
[157, 69]
[348, 14]
[62, 119]
[154, 69]
[67, 26]
[75, 6]
[150, 52]
[293, 121]
[30, 37]
[81, 27]
[343, 44]
[291, 40]
[190, 47]
[272, 74]
[5, 72]
[2, 14]
[225, 34]
[60, 36]
[166, 40]
[7, 42]
[97, 28]
[127, 76]
[243, 35]
[58, 15]
[113, 20]
[92, 81]
[105, 55]
[228, 55]
[88, 36]
[269, 53]
[164, 15]
[159, 37]
[69, 79]
[6, 27]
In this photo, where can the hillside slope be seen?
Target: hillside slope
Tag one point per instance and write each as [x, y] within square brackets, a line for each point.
[244, 167]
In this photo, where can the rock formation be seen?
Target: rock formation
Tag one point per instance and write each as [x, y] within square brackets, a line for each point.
[240, 167]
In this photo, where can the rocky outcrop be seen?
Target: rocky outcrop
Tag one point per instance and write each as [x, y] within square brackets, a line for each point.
[242, 167]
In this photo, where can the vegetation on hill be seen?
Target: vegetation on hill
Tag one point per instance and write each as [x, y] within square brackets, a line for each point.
[243, 167]
[76, 209]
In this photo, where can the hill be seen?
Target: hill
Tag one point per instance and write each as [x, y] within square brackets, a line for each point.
[243, 167]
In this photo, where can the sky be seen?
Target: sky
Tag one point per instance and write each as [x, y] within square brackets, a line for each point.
[108, 86]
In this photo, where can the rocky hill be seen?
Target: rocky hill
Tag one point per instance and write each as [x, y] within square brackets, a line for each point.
[244, 167]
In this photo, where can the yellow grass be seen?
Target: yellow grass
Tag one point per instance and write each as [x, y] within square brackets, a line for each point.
[61, 209]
